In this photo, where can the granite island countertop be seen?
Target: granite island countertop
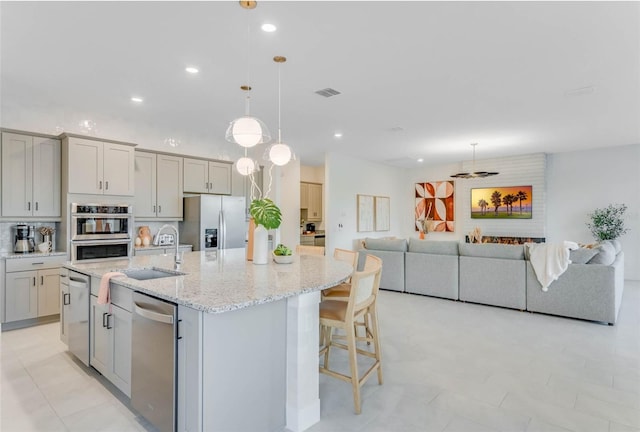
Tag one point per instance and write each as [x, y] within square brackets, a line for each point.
[223, 280]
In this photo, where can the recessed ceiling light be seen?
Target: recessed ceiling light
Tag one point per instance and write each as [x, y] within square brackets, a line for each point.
[269, 28]
[136, 99]
[192, 70]
[420, 160]
[338, 134]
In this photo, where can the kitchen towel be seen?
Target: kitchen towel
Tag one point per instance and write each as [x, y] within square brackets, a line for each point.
[104, 296]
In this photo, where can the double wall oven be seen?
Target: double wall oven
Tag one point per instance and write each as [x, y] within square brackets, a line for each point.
[101, 231]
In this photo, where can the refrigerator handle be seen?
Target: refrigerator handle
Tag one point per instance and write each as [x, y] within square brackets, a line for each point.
[222, 231]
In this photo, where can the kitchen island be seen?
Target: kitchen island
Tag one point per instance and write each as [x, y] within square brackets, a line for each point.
[247, 338]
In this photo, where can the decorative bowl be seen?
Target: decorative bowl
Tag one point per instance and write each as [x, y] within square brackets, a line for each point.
[282, 259]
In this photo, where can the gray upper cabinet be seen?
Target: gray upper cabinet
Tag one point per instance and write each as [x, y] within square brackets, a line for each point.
[100, 168]
[30, 176]
[203, 176]
[158, 186]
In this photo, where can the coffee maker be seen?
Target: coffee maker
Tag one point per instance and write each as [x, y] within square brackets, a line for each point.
[24, 238]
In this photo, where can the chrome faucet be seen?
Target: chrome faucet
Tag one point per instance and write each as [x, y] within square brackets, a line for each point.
[156, 242]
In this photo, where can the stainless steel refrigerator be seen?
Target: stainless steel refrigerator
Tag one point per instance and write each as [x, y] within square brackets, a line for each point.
[214, 222]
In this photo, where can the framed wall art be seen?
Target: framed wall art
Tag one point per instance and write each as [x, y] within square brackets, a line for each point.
[382, 213]
[504, 202]
[434, 206]
[366, 213]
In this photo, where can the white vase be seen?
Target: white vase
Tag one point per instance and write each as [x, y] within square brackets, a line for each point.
[260, 245]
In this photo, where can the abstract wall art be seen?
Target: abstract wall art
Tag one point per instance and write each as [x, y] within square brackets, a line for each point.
[434, 206]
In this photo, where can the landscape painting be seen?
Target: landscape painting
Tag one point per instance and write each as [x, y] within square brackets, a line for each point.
[508, 202]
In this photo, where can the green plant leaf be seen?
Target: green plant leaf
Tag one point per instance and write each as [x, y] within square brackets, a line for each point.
[266, 213]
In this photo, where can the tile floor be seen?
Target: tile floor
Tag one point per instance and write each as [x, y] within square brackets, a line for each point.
[448, 366]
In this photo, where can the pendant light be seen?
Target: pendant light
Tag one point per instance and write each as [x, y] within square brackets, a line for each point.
[474, 174]
[279, 153]
[247, 131]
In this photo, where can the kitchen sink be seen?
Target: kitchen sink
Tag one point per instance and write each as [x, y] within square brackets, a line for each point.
[150, 273]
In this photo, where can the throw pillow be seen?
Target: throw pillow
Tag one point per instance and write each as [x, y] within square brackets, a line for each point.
[606, 254]
[582, 255]
[617, 246]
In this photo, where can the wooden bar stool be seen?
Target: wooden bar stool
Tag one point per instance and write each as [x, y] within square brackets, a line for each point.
[344, 315]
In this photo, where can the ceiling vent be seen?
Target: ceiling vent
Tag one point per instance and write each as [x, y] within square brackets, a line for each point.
[328, 92]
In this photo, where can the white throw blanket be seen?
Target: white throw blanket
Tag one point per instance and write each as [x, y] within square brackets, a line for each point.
[550, 260]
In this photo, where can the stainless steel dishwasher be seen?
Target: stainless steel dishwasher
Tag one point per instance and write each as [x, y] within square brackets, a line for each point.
[153, 360]
[76, 303]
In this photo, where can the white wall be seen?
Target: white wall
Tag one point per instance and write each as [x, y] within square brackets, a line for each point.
[579, 182]
[345, 178]
[287, 197]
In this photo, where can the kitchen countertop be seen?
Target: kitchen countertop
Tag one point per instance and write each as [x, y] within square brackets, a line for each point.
[13, 255]
[223, 280]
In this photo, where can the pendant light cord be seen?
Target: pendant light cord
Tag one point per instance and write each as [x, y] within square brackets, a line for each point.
[279, 102]
[247, 103]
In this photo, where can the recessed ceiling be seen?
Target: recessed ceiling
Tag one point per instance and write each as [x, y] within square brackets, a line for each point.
[516, 77]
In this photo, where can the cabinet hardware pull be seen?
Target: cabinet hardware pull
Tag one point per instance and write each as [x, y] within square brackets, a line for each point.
[178, 330]
[29, 205]
[100, 185]
[36, 205]
[109, 316]
[37, 263]
[106, 185]
[159, 209]
[104, 317]
[63, 275]
[154, 209]
[41, 280]
[66, 300]
[34, 281]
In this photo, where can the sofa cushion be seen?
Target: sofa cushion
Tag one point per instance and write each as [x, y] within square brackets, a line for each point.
[433, 247]
[491, 250]
[582, 255]
[606, 254]
[399, 245]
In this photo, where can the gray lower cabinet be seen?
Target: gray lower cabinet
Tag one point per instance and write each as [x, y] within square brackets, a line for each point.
[21, 296]
[110, 342]
[32, 288]
[48, 292]
[211, 396]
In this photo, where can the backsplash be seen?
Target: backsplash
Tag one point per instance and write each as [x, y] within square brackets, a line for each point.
[153, 227]
[6, 234]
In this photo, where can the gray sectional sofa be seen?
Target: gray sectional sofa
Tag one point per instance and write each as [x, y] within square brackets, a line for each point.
[502, 275]
[493, 274]
[432, 268]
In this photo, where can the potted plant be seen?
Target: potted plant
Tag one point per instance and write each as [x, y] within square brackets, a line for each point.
[608, 223]
[266, 215]
[282, 254]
